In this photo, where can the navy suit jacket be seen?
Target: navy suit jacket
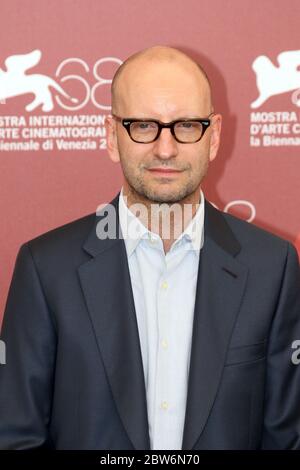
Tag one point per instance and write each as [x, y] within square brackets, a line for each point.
[73, 377]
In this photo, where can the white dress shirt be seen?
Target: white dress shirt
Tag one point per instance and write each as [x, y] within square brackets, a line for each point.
[164, 287]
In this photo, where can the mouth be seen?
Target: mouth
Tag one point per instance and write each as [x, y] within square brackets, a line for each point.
[165, 171]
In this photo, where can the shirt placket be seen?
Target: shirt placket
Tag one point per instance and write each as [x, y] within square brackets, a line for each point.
[163, 398]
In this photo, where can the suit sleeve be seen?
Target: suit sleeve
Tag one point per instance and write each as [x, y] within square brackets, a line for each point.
[26, 379]
[282, 397]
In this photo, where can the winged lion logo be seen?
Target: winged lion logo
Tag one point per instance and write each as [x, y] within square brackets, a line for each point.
[15, 82]
[273, 80]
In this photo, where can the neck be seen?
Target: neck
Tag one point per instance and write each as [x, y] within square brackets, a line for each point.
[168, 219]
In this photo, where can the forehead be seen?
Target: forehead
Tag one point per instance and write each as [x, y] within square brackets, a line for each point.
[162, 89]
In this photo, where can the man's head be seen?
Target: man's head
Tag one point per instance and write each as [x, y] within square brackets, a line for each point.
[162, 83]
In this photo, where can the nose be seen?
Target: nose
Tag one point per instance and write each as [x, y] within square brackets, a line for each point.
[165, 146]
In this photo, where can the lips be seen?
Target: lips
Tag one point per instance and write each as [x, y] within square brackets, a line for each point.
[164, 170]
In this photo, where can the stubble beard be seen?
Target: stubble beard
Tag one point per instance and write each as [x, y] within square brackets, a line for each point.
[141, 191]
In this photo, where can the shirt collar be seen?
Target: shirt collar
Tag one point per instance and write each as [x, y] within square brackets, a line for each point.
[133, 230]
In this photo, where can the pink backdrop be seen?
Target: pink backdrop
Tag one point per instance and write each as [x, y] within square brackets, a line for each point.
[81, 43]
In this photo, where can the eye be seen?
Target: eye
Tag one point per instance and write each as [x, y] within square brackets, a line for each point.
[143, 126]
[187, 125]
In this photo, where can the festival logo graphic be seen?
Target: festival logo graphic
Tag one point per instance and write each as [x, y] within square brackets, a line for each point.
[15, 81]
[70, 128]
[273, 80]
[276, 127]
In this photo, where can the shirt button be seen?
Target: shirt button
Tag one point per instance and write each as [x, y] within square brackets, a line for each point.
[164, 405]
[164, 285]
[164, 344]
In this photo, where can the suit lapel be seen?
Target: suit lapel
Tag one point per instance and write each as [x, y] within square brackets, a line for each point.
[220, 287]
[106, 284]
[105, 281]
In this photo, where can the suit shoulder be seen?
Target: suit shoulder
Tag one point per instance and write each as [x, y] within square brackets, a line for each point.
[251, 234]
[71, 233]
[64, 236]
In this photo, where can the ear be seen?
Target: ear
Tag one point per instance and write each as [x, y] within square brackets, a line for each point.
[111, 139]
[215, 136]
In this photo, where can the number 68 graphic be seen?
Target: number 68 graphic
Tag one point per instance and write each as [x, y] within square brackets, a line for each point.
[90, 91]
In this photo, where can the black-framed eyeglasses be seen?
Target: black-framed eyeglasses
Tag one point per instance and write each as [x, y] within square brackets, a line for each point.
[145, 131]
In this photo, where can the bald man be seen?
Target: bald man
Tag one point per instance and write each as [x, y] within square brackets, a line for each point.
[160, 322]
